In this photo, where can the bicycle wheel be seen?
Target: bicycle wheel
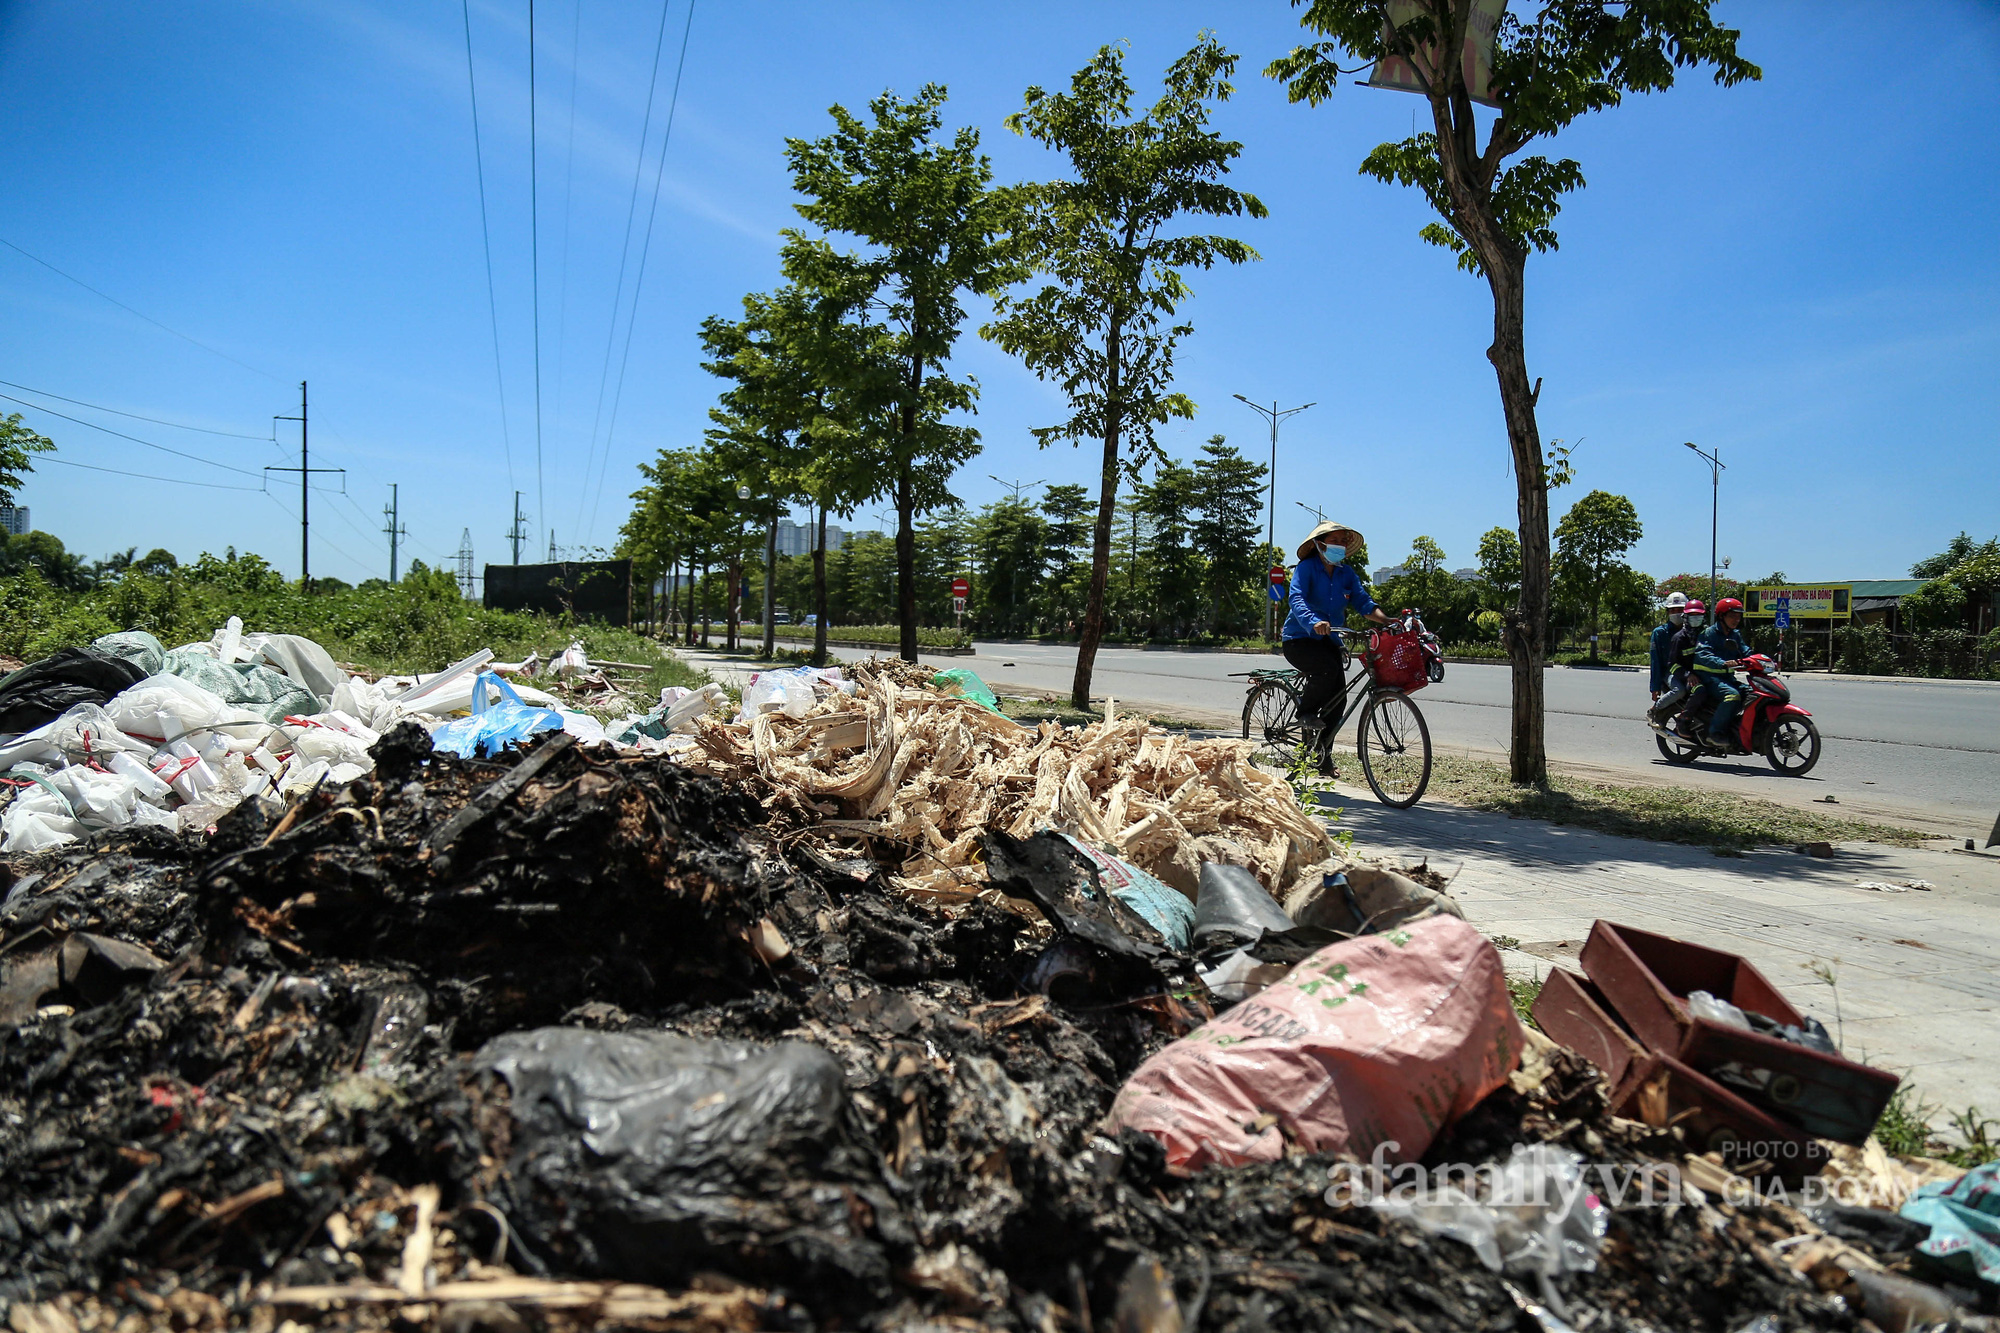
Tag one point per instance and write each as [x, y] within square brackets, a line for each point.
[1395, 747]
[1271, 715]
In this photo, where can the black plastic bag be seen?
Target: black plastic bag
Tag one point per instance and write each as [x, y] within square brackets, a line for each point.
[649, 1156]
[43, 691]
[1231, 908]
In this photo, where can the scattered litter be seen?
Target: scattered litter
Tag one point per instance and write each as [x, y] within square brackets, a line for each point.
[1964, 1218]
[1535, 1214]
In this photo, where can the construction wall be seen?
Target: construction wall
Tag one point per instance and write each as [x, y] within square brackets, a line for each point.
[588, 589]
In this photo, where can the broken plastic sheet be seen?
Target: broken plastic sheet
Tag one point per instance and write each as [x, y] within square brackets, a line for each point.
[791, 692]
[1535, 1214]
[1165, 909]
[1372, 1043]
[961, 683]
[271, 695]
[1964, 1218]
[167, 707]
[66, 803]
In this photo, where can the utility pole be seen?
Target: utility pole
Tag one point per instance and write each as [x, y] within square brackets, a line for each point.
[465, 564]
[1715, 467]
[1274, 416]
[552, 546]
[395, 529]
[305, 469]
[514, 534]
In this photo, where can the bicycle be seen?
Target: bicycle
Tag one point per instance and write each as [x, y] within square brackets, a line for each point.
[1391, 738]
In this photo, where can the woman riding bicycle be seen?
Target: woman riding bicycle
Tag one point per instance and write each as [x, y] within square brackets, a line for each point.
[1324, 589]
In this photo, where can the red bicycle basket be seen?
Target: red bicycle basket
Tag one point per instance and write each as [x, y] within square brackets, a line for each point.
[1398, 661]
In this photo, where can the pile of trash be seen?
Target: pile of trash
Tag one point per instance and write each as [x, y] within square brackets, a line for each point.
[583, 1034]
[918, 775]
[126, 732]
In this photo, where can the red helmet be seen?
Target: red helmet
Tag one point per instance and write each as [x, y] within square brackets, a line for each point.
[1694, 608]
[1725, 606]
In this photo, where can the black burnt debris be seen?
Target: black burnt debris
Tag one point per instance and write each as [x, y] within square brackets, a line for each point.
[575, 1039]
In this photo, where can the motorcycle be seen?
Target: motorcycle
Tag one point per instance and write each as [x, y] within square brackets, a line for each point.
[1770, 725]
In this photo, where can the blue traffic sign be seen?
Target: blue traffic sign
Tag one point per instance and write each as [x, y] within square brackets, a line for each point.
[1784, 617]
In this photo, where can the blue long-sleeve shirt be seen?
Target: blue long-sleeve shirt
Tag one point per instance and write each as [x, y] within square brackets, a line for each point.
[1663, 635]
[1319, 593]
[1718, 646]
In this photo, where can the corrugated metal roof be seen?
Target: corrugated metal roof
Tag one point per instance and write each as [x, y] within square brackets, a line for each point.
[1886, 587]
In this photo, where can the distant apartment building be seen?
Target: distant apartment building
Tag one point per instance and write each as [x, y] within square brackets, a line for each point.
[14, 520]
[797, 538]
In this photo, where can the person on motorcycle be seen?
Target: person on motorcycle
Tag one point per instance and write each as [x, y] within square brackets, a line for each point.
[1662, 636]
[1680, 665]
[1324, 589]
[1720, 651]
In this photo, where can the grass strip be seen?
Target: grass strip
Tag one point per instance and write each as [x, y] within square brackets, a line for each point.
[1658, 814]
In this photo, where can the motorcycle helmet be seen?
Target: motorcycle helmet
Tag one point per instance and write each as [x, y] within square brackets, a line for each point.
[1726, 605]
[1676, 601]
[1693, 610]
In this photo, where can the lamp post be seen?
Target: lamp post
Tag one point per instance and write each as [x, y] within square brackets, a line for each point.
[1715, 466]
[1274, 415]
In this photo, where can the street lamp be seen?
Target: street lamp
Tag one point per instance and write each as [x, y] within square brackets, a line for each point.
[1274, 416]
[1314, 510]
[1715, 466]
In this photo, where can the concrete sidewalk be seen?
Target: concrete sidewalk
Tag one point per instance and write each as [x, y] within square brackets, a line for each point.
[1917, 974]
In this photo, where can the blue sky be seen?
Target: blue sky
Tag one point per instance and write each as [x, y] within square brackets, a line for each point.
[1800, 272]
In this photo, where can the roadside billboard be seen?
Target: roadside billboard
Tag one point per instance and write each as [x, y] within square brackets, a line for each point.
[1813, 601]
[1400, 74]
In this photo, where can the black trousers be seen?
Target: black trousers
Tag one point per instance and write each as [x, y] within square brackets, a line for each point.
[1323, 663]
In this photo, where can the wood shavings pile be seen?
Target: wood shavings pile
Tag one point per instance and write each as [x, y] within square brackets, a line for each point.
[919, 776]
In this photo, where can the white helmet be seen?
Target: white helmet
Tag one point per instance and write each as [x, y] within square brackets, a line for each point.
[1675, 601]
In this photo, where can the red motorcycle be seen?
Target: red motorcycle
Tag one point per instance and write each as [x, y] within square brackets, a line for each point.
[1770, 725]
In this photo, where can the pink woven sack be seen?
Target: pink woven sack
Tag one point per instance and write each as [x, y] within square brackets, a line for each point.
[1382, 1040]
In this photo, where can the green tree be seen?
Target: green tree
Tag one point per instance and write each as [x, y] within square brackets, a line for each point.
[1099, 326]
[1009, 545]
[1628, 601]
[1500, 566]
[1174, 569]
[18, 445]
[1069, 510]
[935, 230]
[1227, 487]
[1697, 586]
[1593, 535]
[1570, 57]
[1957, 549]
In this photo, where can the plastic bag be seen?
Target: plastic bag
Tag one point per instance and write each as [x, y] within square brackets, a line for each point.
[570, 661]
[44, 690]
[86, 734]
[136, 646]
[1703, 1005]
[1536, 1214]
[1165, 909]
[268, 694]
[65, 803]
[959, 683]
[1231, 907]
[651, 1155]
[492, 729]
[1964, 1218]
[1377, 1042]
[788, 692]
[167, 707]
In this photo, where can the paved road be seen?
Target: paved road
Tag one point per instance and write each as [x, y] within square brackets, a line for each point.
[1928, 751]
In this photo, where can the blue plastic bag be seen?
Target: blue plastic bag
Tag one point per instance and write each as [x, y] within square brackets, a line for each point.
[493, 728]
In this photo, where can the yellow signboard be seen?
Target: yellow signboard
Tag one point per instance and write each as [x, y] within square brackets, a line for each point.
[1806, 601]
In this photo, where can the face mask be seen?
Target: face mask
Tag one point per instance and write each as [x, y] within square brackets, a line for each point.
[1693, 620]
[1333, 555]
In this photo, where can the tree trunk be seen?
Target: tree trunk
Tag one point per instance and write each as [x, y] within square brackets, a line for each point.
[771, 587]
[703, 581]
[735, 598]
[906, 562]
[906, 535]
[1100, 544]
[688, 630]
[819, 592]
[1528, 622]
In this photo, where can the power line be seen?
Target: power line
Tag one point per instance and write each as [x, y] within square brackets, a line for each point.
[639, 282]
[99, 407]
[147, 476]
[486, 236]
[358, 564]
[535, 252]
[130, 311]
[178, 453]
[569, 175]
[624, 253]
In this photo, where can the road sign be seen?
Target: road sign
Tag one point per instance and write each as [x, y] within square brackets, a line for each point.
[961, 589]
[1826, 601]
[958, 606]
[1278, 576]
[1781, 609]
